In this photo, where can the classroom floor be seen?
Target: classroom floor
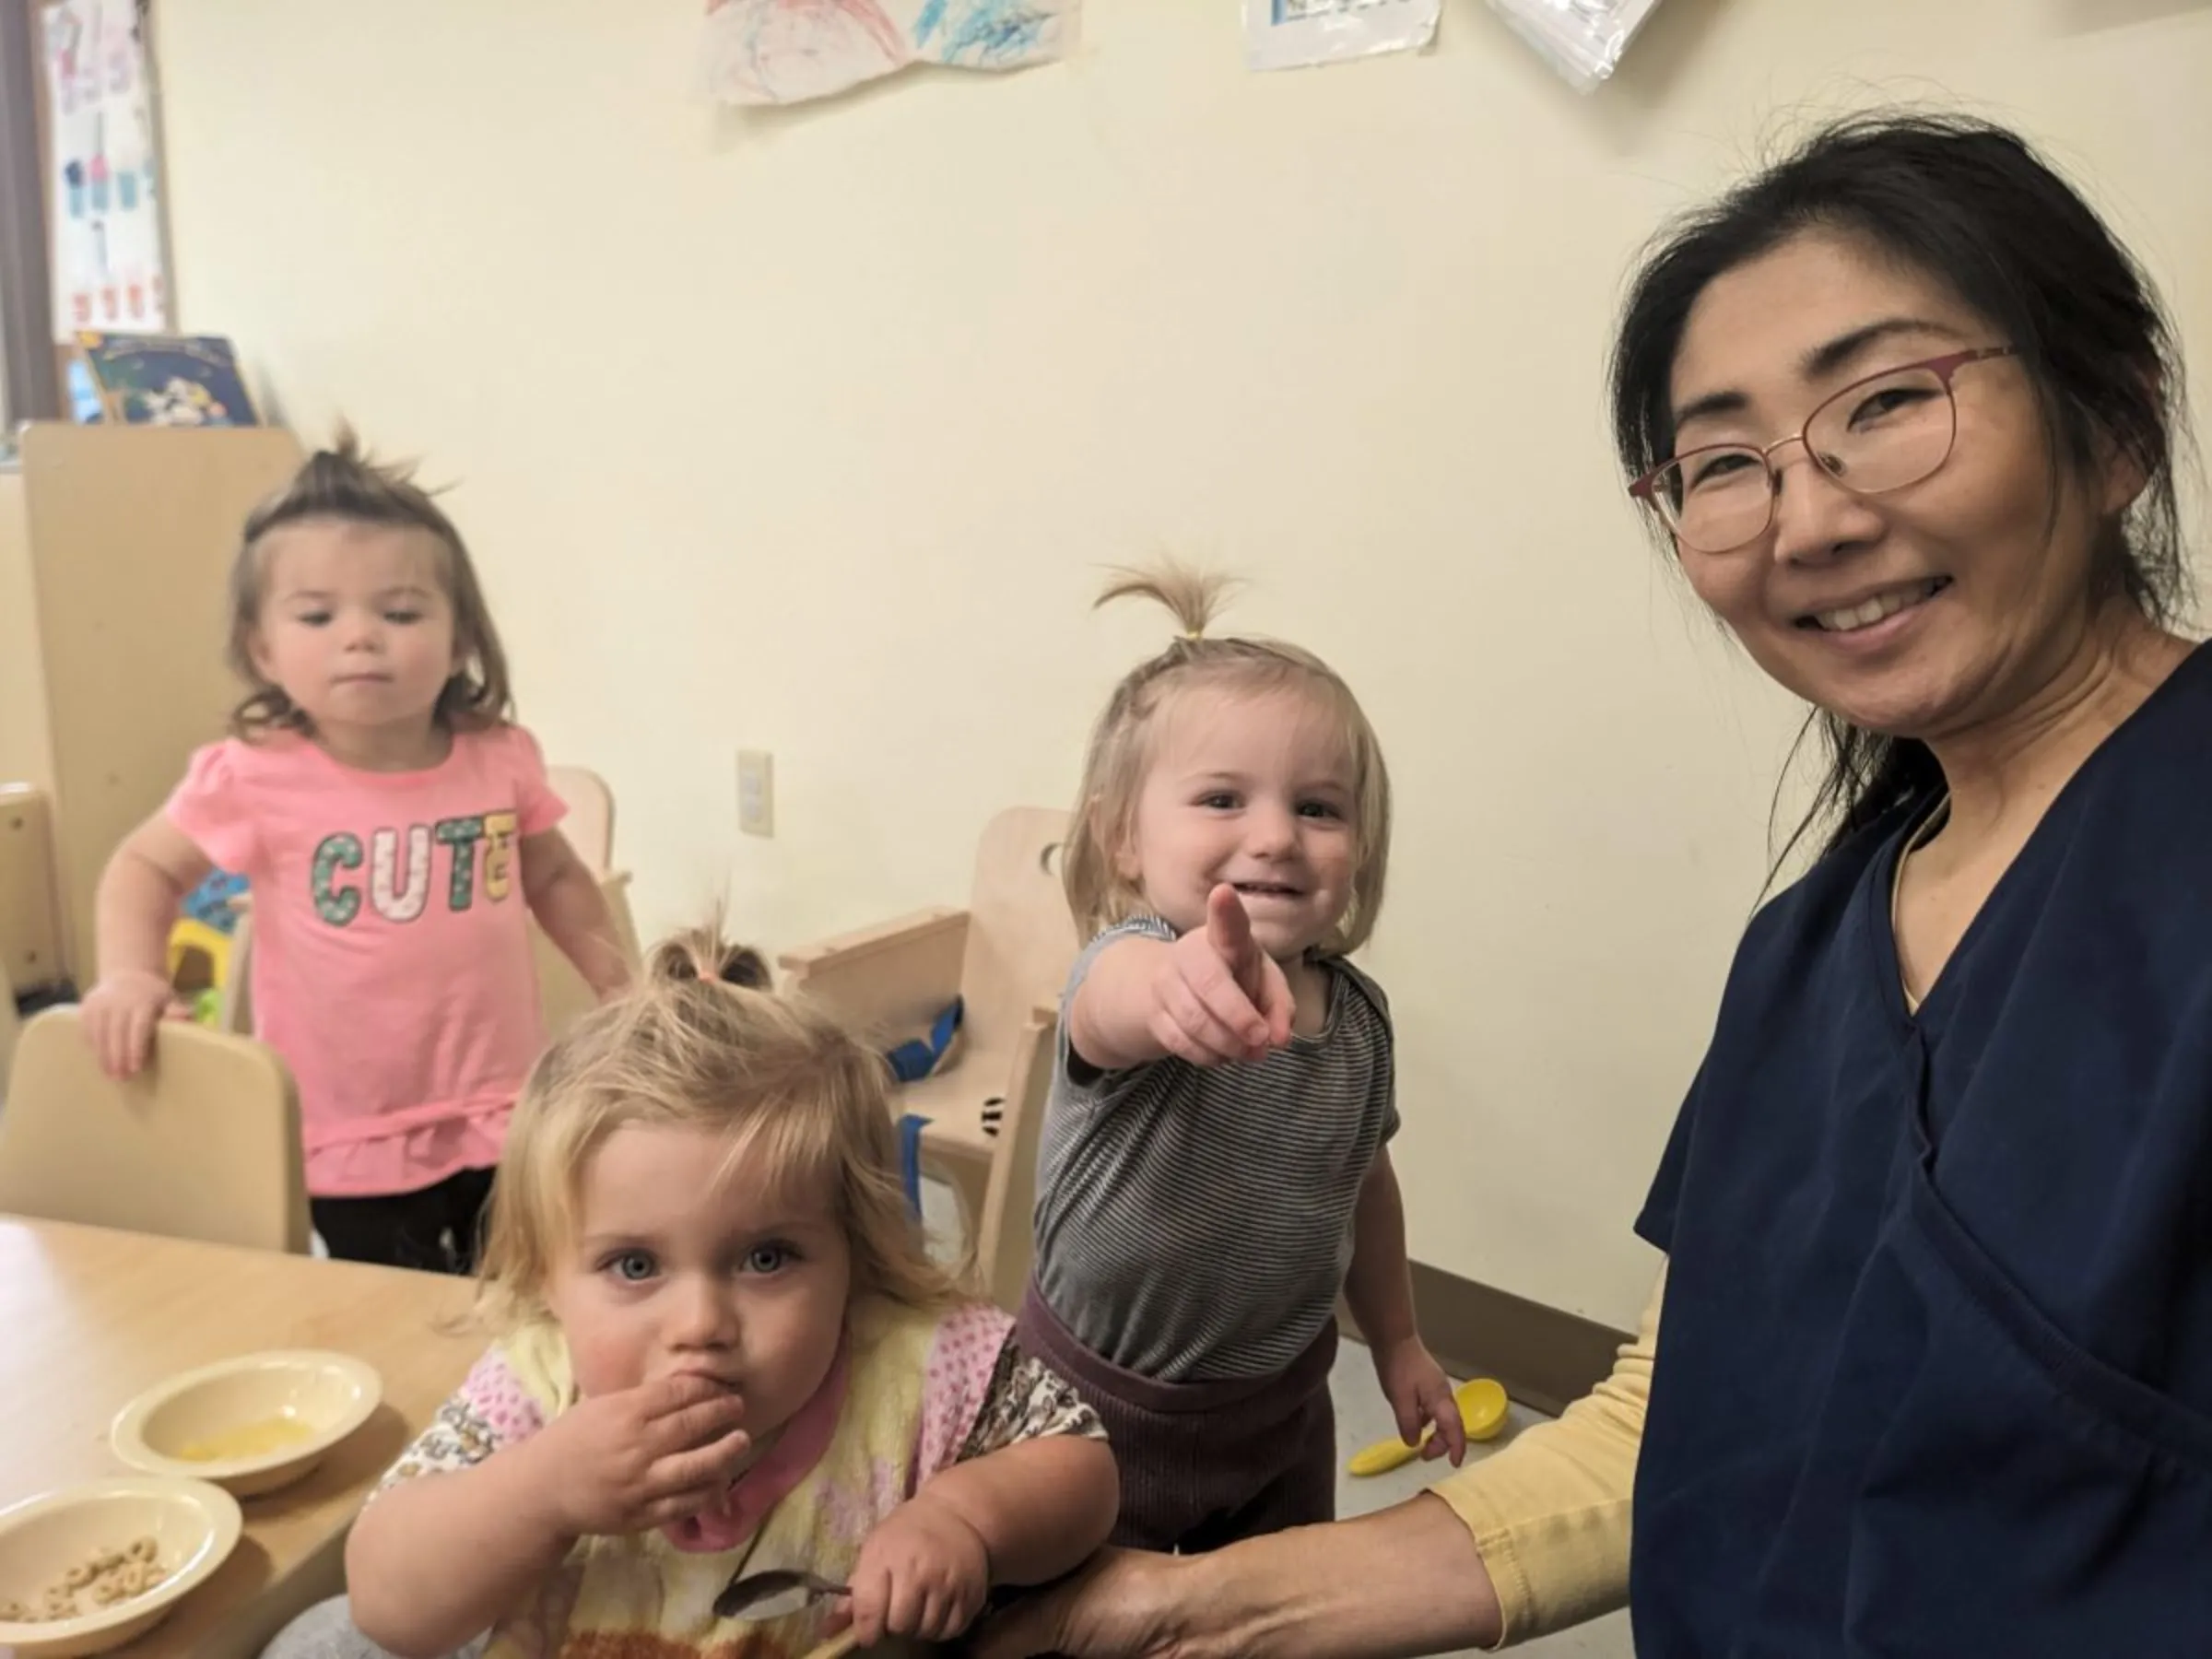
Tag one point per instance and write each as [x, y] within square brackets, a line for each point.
[1363, 1418]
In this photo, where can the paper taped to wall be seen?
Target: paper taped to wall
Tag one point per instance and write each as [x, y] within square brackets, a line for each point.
[104, 201]
[1581, 39]
[1296, 34]
[779, 51]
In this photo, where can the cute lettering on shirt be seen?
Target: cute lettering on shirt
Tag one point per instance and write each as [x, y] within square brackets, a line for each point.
[402, 867]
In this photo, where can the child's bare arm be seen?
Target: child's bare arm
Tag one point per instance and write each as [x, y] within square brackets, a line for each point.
[1020, 1515]
[133, 912]
[1212, 997]
[435, 1560]
[564, 896]
[1040, 1506]
[1379, 1289]
[1109, 1019]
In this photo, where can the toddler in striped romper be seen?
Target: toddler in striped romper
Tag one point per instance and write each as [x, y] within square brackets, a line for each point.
[1214, 1170]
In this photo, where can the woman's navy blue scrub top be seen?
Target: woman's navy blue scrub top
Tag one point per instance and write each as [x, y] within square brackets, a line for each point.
[1934, 1367]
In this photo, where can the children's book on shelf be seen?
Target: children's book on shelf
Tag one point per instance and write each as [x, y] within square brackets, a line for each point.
[167, 380]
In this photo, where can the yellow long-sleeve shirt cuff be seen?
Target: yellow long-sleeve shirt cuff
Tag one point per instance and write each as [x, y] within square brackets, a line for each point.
[1550, 1513]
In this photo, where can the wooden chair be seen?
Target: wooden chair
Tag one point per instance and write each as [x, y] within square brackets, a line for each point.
[590, 825]
[234, 1007]
[203, 1144]
[9, 1027]
[560, 989]
[1006, 955]
[1005, 1236]
[30, 917]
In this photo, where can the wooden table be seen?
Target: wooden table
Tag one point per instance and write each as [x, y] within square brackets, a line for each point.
[91, 1318]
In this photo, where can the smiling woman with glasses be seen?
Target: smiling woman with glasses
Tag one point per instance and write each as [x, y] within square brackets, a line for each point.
[1930, 1368]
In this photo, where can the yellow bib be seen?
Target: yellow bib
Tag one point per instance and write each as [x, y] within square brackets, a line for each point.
[639, 1597]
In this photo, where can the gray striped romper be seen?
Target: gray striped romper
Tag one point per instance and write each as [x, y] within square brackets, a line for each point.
[1193, 1229]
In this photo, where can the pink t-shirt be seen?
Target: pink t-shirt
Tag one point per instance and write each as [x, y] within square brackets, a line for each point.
[391, 964]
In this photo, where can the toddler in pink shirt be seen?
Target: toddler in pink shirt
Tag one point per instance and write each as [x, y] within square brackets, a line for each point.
[397, 831]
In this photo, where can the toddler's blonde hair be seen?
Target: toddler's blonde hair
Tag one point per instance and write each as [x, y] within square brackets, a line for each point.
[1122, 747]
[702, 1043]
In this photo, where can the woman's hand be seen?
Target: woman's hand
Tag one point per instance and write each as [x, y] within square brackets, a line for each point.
[1128, 1604]
[1405, 1580]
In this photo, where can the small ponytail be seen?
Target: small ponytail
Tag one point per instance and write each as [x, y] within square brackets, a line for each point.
[701, 953]
[1193, 597]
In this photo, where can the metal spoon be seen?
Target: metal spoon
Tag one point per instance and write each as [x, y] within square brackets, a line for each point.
[777, 1592]
[773, 1592]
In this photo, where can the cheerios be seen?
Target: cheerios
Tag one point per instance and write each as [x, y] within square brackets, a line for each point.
[109, 1577]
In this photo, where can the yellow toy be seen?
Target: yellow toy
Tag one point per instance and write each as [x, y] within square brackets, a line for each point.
[199, 967]
[1482, 1408]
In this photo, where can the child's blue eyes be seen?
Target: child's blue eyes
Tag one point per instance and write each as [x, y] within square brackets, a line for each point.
[1223, 802]
[636, 1266]
[767, 1258]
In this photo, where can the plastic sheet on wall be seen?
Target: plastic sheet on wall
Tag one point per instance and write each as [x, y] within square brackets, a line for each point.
[1582, 39]
[1293, 34]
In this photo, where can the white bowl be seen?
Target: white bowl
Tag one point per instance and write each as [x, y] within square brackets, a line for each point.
[251, 1424]
[194, 1525]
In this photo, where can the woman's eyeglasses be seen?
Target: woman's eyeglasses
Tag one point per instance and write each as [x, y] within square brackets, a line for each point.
[1881, 433]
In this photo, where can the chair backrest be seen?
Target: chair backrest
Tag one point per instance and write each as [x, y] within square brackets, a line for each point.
[234, 1007]
[1022, 940]
[203, 1144]
[30, 916]
[590, 825]
[9, 1025]
[1004, 1244]
[563, 993]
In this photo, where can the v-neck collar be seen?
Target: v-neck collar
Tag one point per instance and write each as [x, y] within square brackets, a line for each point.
[1886, 870]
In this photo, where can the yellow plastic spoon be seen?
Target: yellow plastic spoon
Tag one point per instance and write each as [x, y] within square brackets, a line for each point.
[1482, 1407]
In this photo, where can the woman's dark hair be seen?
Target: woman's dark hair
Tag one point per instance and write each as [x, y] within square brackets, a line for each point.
[1972, 205]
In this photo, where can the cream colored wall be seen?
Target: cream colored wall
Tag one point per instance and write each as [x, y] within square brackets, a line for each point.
[808, 432]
